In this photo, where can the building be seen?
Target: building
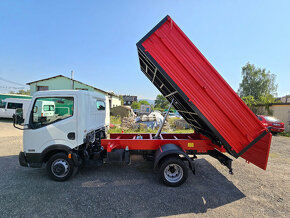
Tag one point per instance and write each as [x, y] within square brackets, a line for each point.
[145, 109]
[61, 82]
[278, 110]
[128, 99]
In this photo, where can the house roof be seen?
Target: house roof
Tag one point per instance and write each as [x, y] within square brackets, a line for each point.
[129, 98]
[109, 93]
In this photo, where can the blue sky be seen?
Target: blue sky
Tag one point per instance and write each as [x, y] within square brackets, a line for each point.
[97, 39]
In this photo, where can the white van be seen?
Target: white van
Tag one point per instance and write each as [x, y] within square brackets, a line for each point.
[44, 108]
[8, 106]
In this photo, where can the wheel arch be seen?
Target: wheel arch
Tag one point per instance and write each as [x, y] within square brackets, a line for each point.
[170, 150]
[53, 149]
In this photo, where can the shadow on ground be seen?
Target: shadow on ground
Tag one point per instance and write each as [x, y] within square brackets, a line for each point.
[110, 190]
[6, 120]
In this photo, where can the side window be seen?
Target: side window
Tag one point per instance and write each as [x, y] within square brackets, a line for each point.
[2, 104]
[260, 118]
[51, 110]
[48, 107]
[14, 105]
[100, 105]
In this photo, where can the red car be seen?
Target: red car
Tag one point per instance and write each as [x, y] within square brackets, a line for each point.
[272, 123]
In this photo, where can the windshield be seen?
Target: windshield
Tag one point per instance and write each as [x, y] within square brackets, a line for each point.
[51, 110]
[271, 119]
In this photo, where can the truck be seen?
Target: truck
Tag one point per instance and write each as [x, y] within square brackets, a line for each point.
[222, 122]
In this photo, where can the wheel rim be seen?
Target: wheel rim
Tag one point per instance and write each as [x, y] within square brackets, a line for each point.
[173, 173]
[60, 168]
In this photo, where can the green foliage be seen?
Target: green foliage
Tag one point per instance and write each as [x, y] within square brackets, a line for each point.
[161, 102]
[135, 105]
[171, 121]
[21, 92]
[258, 87]
[263, 100]
[266, 99]
[257, 82]
[144, 102]
[116, 120]
[119, 130]
[287, 134]
[249, 100]
[158, 109]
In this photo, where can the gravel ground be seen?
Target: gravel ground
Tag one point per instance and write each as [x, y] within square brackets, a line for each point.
[134, 191]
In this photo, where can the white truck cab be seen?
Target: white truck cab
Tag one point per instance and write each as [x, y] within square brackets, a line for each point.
[62, 123]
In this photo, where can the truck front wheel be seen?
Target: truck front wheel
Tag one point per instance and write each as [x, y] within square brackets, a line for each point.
[173, 172]
[60, 167]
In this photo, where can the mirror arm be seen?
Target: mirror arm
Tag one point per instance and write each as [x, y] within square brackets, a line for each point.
[14, 124]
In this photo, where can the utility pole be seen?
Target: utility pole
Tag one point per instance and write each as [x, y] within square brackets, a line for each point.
[72, 80]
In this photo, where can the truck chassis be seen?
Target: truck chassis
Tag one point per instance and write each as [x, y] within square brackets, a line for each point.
[168, 152]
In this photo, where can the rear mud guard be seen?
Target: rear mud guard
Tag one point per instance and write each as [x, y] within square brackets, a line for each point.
[171, 150]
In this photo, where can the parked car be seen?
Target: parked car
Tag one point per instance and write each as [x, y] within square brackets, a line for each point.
[272, 123]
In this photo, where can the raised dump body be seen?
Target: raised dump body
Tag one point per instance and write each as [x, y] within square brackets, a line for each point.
[202, 97]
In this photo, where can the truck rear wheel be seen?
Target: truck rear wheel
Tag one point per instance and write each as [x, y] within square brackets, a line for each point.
[60, 167]
[173, 172]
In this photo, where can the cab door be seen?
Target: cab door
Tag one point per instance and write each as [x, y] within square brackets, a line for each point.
[57, 129]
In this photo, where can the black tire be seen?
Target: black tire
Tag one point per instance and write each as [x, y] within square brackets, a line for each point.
[59, 167]
[173, 171]
[274, 133]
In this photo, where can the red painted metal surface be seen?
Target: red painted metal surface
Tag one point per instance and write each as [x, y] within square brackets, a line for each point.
[196, 142]
[215, 108]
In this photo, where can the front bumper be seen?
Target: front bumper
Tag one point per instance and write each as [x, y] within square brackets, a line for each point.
[30, 160]
[22, 159]
[275, 129]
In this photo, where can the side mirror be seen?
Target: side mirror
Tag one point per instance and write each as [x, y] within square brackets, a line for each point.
[18, 117]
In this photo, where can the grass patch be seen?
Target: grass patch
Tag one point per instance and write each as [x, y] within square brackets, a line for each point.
[116, 120]
[119, 130]
[287, 134]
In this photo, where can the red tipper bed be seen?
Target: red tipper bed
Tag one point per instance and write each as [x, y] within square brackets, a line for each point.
[202, 97]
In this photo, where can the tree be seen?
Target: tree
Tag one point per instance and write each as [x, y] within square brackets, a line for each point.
[21, 92]
[135, 105]
[161, 102]
[258, 87]
[257, 82]
[144, 102]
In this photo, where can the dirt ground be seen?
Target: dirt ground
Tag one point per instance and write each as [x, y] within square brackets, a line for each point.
[134, 190]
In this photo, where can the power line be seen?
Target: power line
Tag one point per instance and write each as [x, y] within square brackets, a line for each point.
[9, 81]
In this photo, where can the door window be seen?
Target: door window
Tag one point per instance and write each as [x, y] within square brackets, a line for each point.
[42, 88]
[100, 105]
[14, 105]
[51, 110]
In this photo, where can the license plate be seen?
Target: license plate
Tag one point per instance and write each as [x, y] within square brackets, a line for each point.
[276, 124]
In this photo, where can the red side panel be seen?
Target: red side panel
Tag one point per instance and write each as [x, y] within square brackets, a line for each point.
[205, 100]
